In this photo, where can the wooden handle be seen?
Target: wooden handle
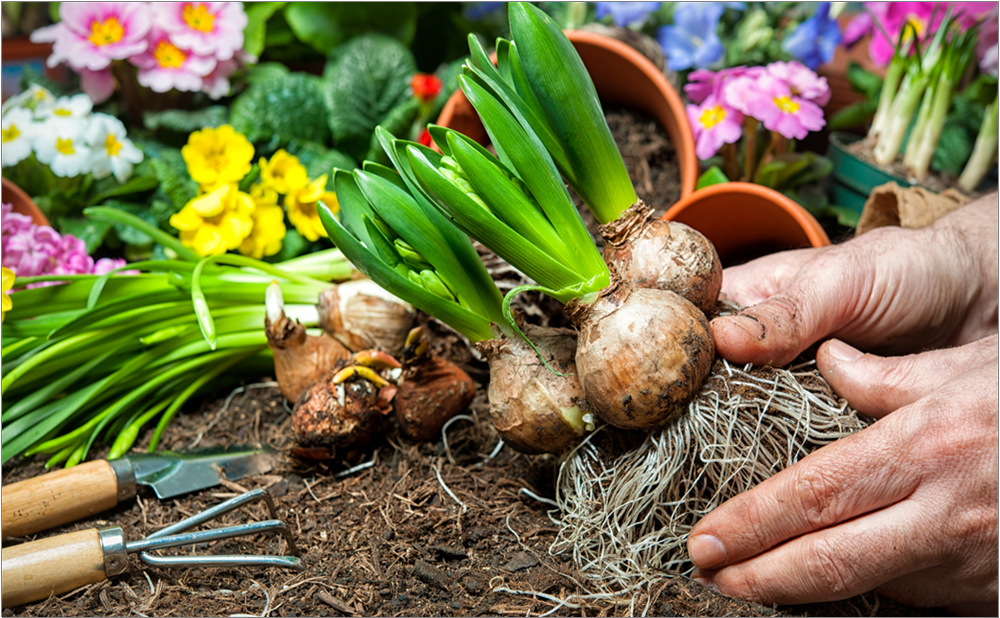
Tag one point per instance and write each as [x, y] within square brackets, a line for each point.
[58, 497]
[33, 571]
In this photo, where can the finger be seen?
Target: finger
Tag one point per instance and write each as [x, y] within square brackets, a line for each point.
[756, 281]
[855, 475]
[831, 564]
[876, 385]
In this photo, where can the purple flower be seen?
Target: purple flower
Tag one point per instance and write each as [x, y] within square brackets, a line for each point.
[771, 101]
[625, 13]
[692, 41]
[106, 265]
[815, 40]
[713, 124]
[802, 81]
[31, 253]
[72, 258]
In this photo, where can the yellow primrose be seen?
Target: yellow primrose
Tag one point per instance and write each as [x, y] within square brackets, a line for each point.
[268, 224]
[217, 221]
[217, 156]
[283, 172]
[301, 205]
[7, 284]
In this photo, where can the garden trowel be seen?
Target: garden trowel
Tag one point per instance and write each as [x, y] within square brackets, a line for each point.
[73, 493]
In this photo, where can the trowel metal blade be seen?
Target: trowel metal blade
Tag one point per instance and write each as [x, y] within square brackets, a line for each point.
[172, 473]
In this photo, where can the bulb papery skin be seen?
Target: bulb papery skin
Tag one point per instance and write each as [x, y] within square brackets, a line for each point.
[330, 420]
[363, 316]
[641, 355]
[663, 255]
[300, 359]
[430, 393]
[534, 410]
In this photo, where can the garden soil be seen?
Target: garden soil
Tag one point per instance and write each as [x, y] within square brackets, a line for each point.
[399, 529]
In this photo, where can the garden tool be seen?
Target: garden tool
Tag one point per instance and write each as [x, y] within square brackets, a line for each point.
[70, 494]
[33, 571]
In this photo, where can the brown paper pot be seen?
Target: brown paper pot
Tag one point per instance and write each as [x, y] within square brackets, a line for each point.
[623, 77]
[745, 221]
[13, 195]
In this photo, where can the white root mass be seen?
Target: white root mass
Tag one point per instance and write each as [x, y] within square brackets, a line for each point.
[625, 517]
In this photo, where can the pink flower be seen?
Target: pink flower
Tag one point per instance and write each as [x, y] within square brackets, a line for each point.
[205, 28]
[703, 83]
[164, 65]
[98, 85]
[31, 253]
[72, 258]
[92, 34]
[714, 124]
[802, 81]
[106, 265]
[771, 101]
[894, 17]
[986, 46]
[216, 84]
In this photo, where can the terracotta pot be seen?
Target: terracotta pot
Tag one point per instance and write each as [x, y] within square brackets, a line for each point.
[16, 197]
[623, 77]
[745, 221]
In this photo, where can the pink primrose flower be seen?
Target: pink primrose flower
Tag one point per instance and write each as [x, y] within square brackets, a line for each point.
[106, 265]
[714, 124]
[894, 16]
[205, 28]
[771, 101]
[216, 84]
[704, 83]
[986, 46]
[98, 85]
[92, 34]
[802, 81]
[165, 66]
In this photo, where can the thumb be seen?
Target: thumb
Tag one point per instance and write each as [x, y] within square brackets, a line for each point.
[877, 385]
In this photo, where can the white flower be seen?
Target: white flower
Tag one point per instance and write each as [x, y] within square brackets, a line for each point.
[18, 131]
[62, 146]
[75, 109]
[112, 152]
[32, 98]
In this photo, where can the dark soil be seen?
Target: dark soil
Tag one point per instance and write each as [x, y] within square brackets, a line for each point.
[389, 539]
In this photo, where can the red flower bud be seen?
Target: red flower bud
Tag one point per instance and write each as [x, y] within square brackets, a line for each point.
[425, 138]
[425, 86]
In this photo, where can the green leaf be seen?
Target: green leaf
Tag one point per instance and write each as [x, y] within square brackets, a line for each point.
[126, 232]
[136, 184]
[186, 121]
[853, 116]
[711, 176]
[864, 82]
[319, 159]
[287, 106]
[369, 78]
[324, 25]
[266, 71]
[91, 232]
[397, 122]
[254, 34]
[846, 216]
[175, 183]
[102, 213]
[953, 148]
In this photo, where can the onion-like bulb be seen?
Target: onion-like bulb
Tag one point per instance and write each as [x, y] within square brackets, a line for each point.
[663, 255]
[299, 358]
[533, 409]
[642, 354]
[430, 393]
[363, 316]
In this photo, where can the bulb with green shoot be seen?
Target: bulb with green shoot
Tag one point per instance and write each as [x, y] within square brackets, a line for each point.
[390, 230]
[543, 83]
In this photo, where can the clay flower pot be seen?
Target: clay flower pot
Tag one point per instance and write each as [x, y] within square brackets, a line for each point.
[623, 77]
[24, 205]
[745, 221]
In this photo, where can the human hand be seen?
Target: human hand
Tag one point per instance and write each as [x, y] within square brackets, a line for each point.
[890, 290]
[908, 505]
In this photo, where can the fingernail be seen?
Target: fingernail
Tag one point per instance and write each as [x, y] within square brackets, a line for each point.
[841, 351]
[752, 327]
[706, 551]
[707, 583]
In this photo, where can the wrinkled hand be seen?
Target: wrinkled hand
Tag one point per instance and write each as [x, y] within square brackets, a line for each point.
[908, 505]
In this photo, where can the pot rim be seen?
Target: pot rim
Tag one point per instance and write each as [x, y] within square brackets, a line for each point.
[22, 199]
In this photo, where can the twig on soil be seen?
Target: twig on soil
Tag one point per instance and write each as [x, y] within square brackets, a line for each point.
[437, 473]
[336, 603]
[225, 406]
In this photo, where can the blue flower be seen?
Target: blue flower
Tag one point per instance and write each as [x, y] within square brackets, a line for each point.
[625, 13]
[815, 40]
[692, 41]
[478, 10]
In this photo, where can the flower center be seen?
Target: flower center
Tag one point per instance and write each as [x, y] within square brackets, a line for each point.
[65, 146]
[198, 17]
[11, 133]
[168, 55]
[112, 145]
[786, 104]
[62, 111]
[712, 116]
[918, 24]
[106, 32]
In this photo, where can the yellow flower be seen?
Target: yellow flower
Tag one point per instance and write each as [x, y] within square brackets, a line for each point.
[217, 221]
[301, 205]
[7, 284]
[283, 172]
[268, 224]
[217, 156]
